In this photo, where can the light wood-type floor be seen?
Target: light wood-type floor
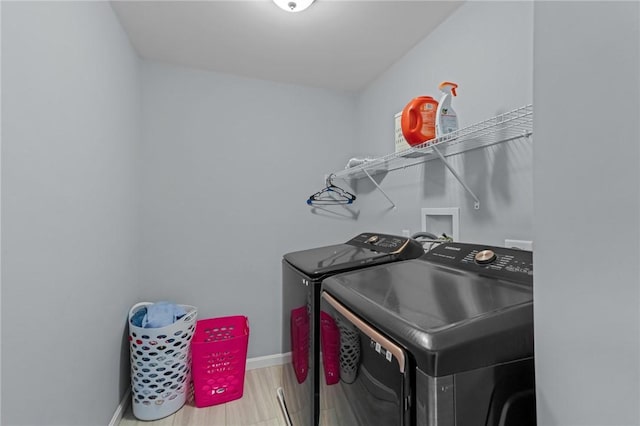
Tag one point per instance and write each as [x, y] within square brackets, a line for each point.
[257, 407]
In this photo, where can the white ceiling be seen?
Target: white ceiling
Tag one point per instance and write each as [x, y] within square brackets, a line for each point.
[335, 44]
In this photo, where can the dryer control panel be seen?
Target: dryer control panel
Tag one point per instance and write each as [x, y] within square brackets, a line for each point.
[499, 262]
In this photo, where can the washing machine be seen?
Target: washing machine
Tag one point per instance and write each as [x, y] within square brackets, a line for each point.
[444, 340]
[302, 275]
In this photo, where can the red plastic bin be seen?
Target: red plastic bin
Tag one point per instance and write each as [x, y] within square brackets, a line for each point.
[219, 358]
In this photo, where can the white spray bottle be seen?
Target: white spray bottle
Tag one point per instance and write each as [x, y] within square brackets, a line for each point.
[446, 118]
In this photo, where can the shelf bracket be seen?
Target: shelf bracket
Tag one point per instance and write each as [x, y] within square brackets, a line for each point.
[378, 186]
[476, 205]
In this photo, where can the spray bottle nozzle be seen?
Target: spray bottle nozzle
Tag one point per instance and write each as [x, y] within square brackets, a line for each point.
[447, 86]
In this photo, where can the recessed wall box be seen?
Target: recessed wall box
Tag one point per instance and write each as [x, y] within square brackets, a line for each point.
[442, 220]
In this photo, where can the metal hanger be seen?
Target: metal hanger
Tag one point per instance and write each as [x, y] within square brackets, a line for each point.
[331, 195]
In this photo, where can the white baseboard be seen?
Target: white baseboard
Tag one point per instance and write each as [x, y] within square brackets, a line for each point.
[121, 408]
[268, 361]
[252, 364]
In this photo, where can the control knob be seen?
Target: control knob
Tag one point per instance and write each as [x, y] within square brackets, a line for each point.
[373, 239]
[485, 257]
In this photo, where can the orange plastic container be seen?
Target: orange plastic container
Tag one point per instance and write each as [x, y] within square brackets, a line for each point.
[419, 120]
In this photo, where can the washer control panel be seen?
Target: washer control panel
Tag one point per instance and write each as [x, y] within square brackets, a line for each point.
[498, 262]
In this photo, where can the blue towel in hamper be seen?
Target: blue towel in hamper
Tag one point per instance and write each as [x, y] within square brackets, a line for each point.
[160, 314]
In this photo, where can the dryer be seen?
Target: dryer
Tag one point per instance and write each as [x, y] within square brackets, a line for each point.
[444, 340]
[302, 275]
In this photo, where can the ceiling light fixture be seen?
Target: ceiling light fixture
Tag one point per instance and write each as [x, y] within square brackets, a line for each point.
[293, 5]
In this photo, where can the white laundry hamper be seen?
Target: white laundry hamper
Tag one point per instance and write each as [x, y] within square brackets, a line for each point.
[160, 365]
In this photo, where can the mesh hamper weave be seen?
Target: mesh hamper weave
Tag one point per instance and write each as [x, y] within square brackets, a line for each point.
[219, 349]
[349, 350]
[160, 365]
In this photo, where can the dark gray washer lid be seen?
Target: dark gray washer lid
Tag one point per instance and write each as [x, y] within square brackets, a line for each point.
[450, 320]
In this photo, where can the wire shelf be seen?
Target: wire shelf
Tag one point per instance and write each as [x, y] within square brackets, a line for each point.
[502, 128]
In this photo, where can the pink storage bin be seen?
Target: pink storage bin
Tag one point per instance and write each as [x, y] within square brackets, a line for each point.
[219, 358]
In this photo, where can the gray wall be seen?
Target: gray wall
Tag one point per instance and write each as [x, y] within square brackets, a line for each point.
[70, 135]
[486, 47]
[228, 164]
[587, 212]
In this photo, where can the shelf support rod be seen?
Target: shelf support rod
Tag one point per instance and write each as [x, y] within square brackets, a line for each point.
[378, 186]
[476, 205]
